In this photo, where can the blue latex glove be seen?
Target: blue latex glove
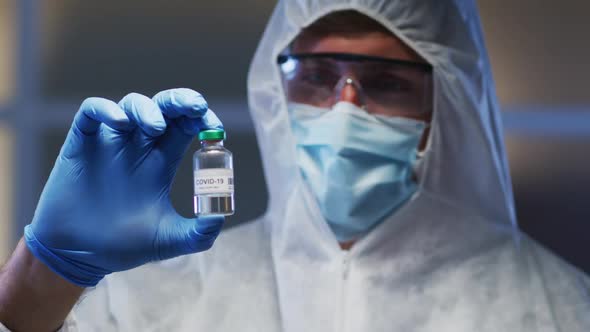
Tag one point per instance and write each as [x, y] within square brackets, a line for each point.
[106, 206]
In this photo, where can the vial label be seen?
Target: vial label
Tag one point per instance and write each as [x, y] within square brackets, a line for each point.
[214, 181]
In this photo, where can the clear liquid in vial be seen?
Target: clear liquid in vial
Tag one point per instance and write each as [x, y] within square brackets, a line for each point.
[213, 204]
[213, 172]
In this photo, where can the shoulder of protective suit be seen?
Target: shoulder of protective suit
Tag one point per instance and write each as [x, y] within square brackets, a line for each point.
[249, 240]
[129, 297]
[558, 273]
[566, 288]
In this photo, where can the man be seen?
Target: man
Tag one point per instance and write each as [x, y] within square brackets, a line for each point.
[391, 207]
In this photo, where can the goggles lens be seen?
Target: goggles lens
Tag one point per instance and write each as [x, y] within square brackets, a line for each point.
[386, 86]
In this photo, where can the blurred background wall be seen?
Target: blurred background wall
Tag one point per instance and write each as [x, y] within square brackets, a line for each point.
[54, 53]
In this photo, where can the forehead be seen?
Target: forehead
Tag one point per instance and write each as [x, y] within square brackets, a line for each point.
[374, 43]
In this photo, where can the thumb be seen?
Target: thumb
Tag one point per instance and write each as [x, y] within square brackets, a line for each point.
[186, 236]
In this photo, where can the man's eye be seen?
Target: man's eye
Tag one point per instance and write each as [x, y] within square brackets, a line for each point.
[390, 84]
[316, 77]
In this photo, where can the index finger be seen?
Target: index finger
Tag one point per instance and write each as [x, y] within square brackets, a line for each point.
[175, 103]
[95, 111]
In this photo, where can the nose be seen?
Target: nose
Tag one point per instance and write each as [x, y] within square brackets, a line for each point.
[351, 92]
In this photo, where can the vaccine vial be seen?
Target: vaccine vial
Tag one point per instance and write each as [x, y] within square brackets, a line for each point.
[213, 175]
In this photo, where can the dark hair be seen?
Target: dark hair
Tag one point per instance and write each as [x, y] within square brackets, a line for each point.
[344, 22]
[347, 23]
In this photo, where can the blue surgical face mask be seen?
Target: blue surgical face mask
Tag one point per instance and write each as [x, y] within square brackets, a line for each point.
[358, 166]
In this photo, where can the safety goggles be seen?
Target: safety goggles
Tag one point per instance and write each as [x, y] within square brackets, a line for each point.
[383, 86]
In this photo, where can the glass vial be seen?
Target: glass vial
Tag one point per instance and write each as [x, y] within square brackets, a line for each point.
[213, 175]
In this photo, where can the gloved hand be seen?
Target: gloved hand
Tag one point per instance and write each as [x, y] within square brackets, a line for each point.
[106, 205]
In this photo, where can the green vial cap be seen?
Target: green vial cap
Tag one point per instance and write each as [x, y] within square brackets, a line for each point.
[212, 135]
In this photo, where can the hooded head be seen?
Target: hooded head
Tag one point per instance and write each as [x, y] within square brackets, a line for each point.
[465, 163]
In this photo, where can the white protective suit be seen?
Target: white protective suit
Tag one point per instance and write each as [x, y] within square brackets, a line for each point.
[451, 259]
